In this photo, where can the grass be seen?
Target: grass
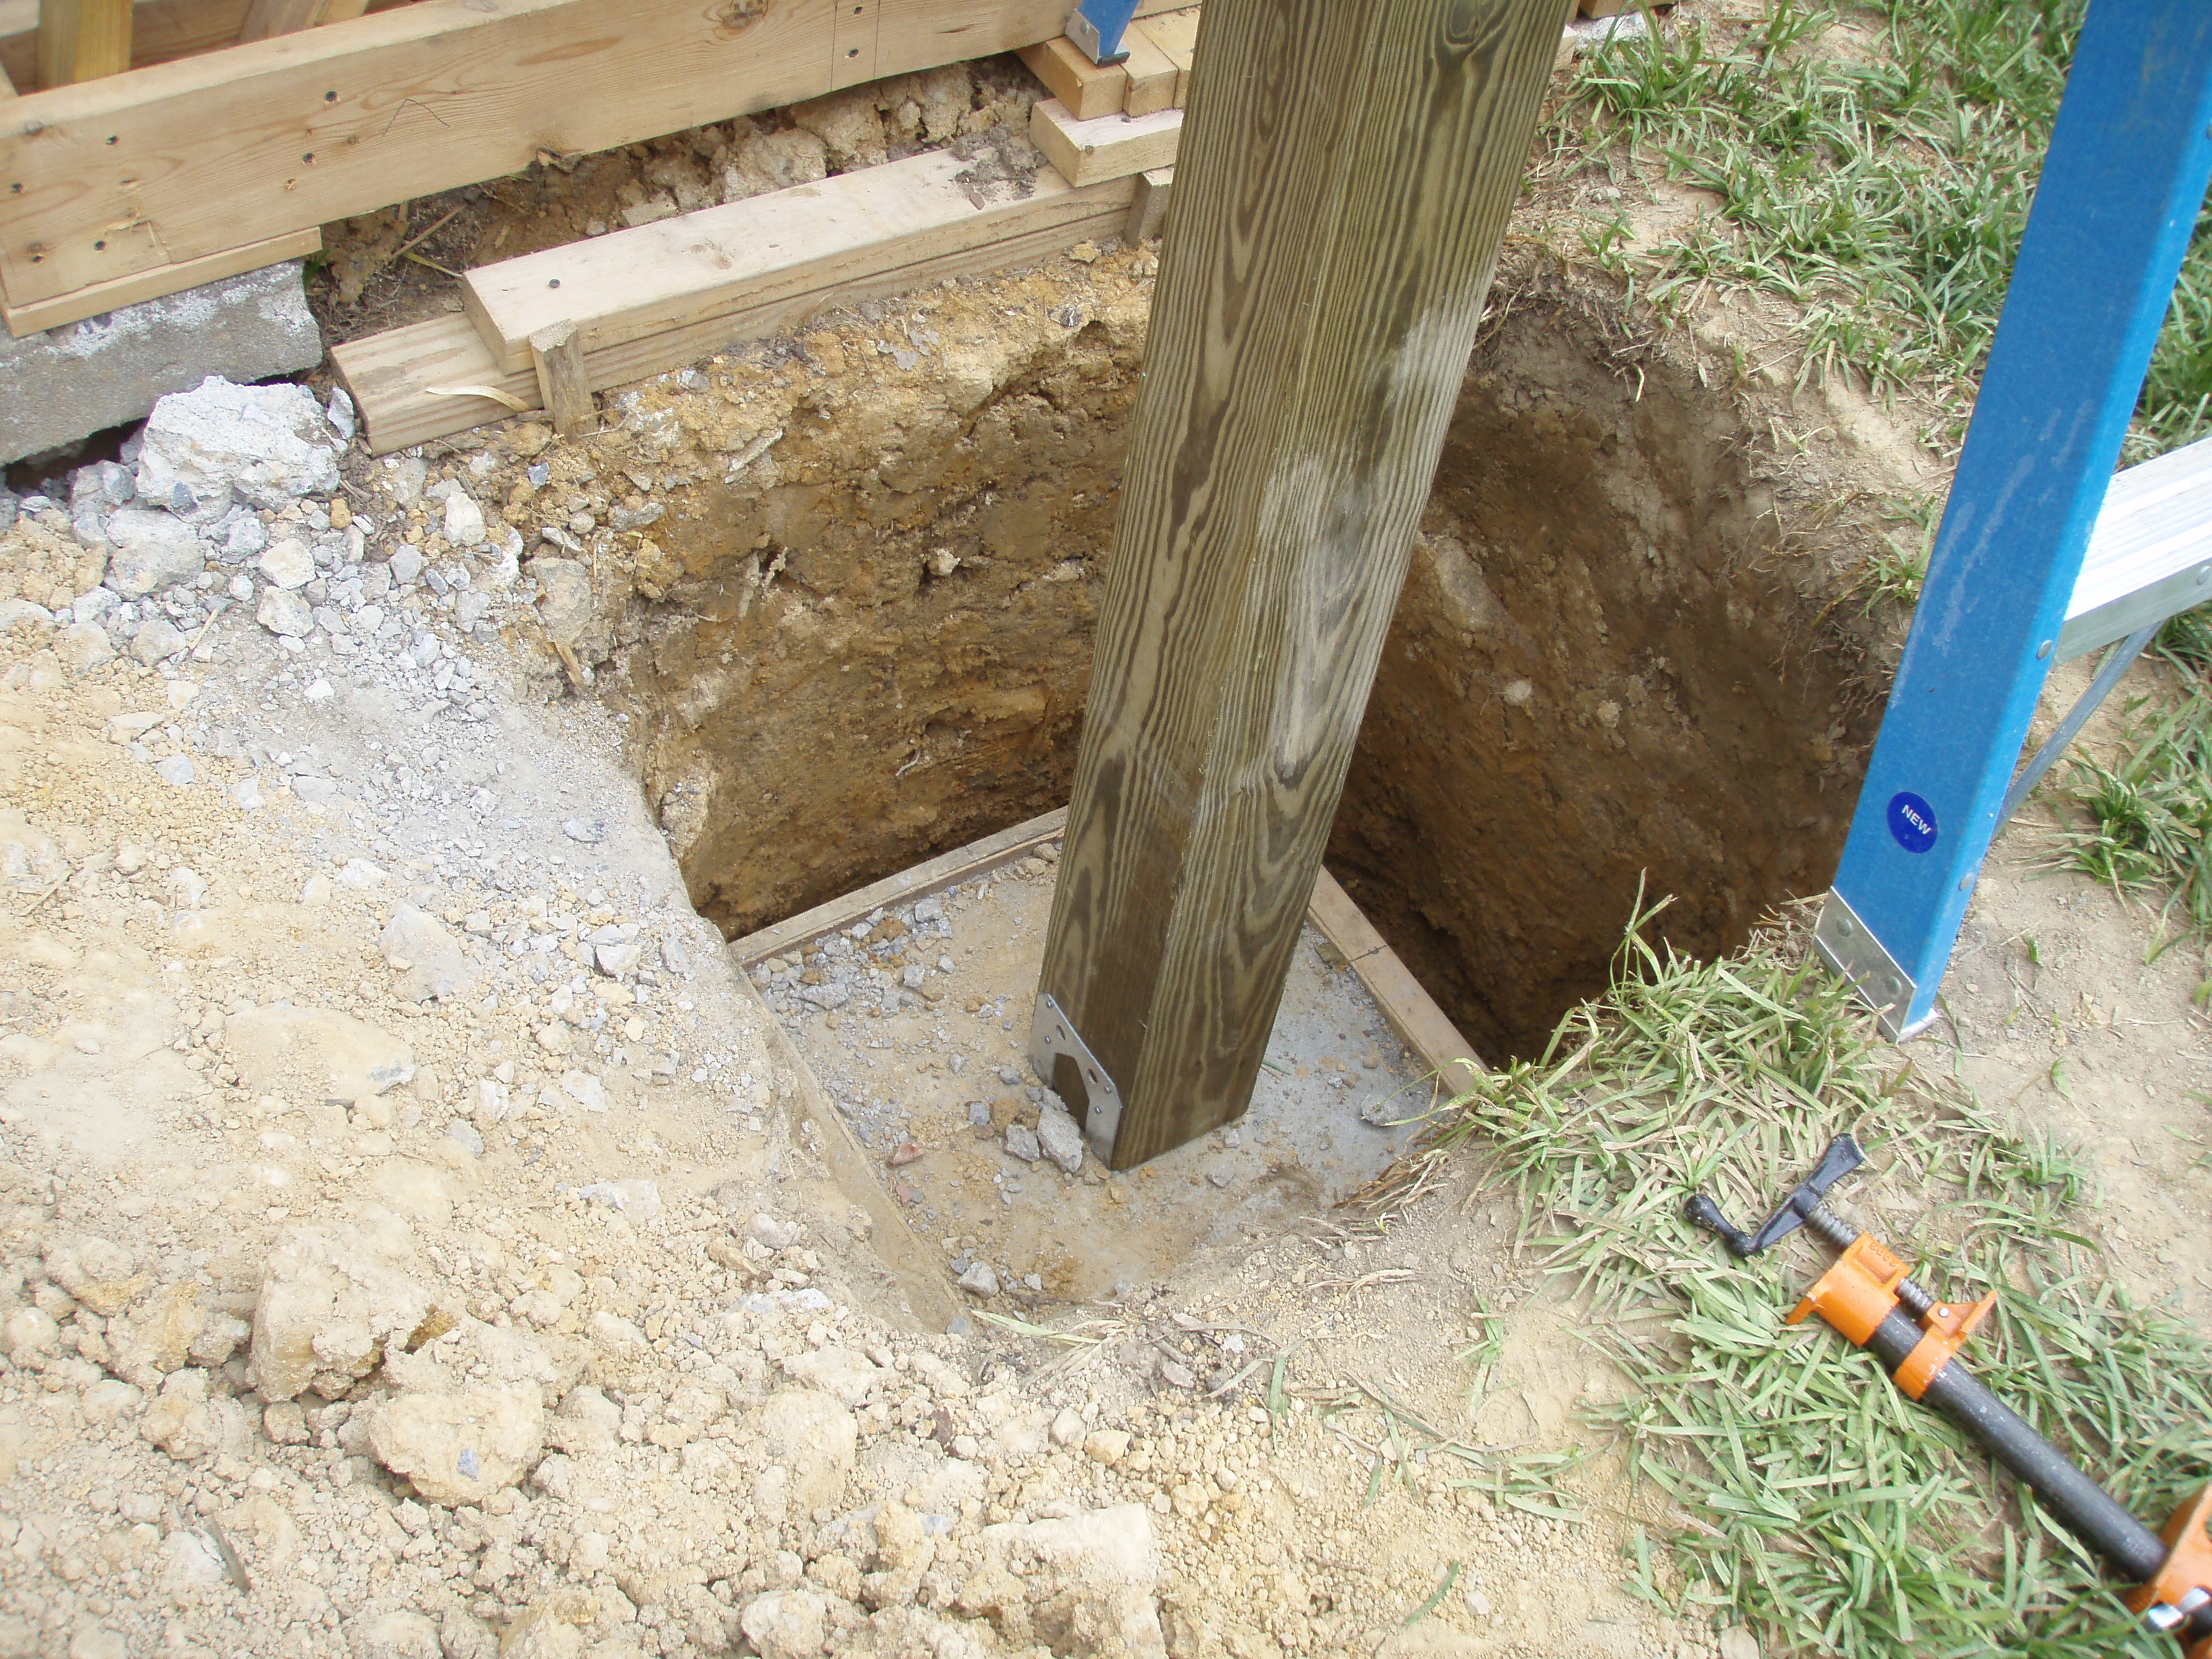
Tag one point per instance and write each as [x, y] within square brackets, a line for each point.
[1876, 173]
[1809, 1498]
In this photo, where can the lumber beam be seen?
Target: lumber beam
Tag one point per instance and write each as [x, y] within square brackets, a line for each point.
[431, 379]
[184, 159]
[1340, 203]
[1108, 147]
[1153, 74]
[83, 40]
[1089, 89]
[1176, 35]
[160, 31]
[265, 18]
[878, 222]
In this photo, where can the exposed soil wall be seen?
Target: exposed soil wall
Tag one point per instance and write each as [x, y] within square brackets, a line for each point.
[852, 620]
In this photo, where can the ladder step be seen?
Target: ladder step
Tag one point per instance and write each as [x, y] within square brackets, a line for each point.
[2150, 556]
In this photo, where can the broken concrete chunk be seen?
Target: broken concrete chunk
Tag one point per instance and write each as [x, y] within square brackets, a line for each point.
[564, 600]
[1060, 1140]
[149, 551]
[1022, 1143]
[267, 445]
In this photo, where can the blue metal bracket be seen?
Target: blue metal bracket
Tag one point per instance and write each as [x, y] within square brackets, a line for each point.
[1098, 27]
[2130, 159]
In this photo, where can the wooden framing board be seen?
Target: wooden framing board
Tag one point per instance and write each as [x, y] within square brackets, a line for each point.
[161, 32]
[1111, 147]
[83, 40]
[1175, 34]
[176, 162]
[404, 381]
[679, 271]
[1153, 77]
[75, 307]
[1089, 89]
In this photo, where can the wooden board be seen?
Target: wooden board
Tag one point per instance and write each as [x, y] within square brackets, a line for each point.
[978, 857]
[1175, 33]
[150, 285]
[1421, 1025]
[686, 269]
[1088, 88]
[170, 163]
[402, 380]
[1110, 147]
[266, 18]
[83, 40]
[1148, 210]
[160, 31]
[1153, 77]
[1338, 210]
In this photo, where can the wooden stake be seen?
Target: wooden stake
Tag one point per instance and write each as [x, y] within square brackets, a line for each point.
[563, 383]
[1148, 211]
[83, 40]
[1341, 196]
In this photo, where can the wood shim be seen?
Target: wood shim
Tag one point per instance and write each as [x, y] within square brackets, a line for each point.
[1111, 147]
[798, 242]
[433, 380]
[178, 161]
[75, 307]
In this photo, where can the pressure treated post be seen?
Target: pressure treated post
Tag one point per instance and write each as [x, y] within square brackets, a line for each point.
[1343, 184]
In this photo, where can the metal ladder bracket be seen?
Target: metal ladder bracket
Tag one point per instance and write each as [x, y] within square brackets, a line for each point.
[1096, 27]
[1848, 946]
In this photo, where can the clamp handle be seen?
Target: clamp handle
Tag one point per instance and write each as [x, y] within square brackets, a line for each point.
[1843, 1155]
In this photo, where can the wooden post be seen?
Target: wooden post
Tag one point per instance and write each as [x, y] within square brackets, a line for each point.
[562, 384]
[83, 40]
[1341, 193]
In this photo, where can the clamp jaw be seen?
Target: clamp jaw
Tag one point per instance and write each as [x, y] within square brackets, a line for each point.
[1842, 1157]
[2180, 1599]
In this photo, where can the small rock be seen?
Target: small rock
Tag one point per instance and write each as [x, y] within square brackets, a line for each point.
[399, 1634]
[1176, 1375]
[464, 1134]
[429, 960]
[812, 1438]
[463, 522]
[786, 1625]
[1737, 1643]
[152, 550]
[329, 1309]
[282, 612]
[772, 1232]
[1106, 1446]
[175, 770]
[461, 1446]
[288, 563]
[1060, 1140]
[1067, 1428]
[980, 1279]
[27, 1332]
[564, 603]
[405, 565]
[84, 646]
[1022, 1143]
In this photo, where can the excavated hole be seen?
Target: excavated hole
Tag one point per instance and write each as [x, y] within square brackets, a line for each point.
[1600, 671]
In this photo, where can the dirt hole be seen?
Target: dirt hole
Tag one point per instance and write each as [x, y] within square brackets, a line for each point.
[1604, 669]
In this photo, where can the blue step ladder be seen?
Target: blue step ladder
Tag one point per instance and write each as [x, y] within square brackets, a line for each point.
[2043, 553]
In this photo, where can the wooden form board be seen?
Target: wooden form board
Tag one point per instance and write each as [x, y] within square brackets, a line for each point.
[1110, 147]
[160, 31]
[1420, 1025]
[407, 382]
[802, 240]
[83, 40]
[1339, 210]
[75, 307]
[1175, 34]
[177, 160]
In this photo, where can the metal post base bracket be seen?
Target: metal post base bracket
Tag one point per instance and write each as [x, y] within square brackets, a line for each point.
[1849, 948]
[1052, 1037]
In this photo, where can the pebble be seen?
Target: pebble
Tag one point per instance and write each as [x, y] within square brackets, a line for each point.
[980, 1277]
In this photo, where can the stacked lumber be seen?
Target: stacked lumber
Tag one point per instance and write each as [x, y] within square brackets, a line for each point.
[1155, 75]
[155, 142]
[545, 331]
